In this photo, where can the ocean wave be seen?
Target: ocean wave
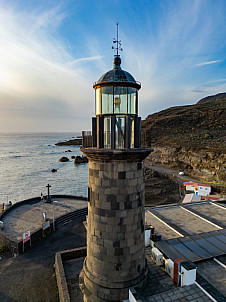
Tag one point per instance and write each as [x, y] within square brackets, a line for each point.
[16, 156]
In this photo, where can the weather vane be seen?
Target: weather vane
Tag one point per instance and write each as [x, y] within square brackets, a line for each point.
[118, 42]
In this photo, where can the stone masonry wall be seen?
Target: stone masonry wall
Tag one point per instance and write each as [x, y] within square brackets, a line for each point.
[115, 228]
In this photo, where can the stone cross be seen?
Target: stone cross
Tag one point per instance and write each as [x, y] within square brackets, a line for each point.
[48, 197]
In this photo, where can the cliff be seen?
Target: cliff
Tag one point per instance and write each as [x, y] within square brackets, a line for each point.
[191, 138]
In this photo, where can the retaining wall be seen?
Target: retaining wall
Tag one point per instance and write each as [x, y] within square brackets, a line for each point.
[60, 273]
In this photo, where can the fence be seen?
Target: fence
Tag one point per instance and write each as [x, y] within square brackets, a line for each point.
[87, 139]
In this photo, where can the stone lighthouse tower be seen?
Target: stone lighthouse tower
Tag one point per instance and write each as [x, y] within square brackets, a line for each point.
[115, 225]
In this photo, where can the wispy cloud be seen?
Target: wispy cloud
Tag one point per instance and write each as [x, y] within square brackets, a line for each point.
[84, 60]
[208, 63]
[38, 73]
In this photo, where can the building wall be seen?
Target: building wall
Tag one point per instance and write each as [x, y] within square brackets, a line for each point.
[201, 190]
[204, 191]
[190, 188]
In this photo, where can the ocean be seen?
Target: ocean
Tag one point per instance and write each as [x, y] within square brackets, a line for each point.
[26, 161]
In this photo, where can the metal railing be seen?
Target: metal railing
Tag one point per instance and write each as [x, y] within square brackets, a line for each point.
[87, 140]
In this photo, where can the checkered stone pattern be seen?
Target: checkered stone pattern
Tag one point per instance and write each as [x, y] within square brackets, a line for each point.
[115, 229]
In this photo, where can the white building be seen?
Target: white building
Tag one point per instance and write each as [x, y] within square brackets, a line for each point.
[191, 198]
[198, 188]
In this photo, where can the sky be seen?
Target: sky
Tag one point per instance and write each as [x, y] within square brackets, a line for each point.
[52, 51]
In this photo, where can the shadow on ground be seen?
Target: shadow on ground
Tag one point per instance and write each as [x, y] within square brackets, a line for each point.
[31, 276]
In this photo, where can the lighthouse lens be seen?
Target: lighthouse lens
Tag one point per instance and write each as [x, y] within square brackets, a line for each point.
[120, 100]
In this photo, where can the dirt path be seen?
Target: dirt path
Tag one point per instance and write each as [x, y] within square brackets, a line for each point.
[30, 277]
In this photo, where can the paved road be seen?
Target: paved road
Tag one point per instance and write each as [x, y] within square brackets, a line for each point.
[30, 277]
[175, 172]
[172, 172]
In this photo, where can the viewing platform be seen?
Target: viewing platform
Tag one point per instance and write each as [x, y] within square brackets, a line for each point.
[29, 215]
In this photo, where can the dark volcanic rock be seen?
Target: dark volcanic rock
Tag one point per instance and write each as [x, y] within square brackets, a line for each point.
[71, 142]
[80, 159]
[160, 189]
[63, 159]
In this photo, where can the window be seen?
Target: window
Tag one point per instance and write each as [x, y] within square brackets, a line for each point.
[120, 133]
[107, 100]
[120, 99]
[132, 133]
[107, 133]
[98, 101]
[116, 100]
[132, 100]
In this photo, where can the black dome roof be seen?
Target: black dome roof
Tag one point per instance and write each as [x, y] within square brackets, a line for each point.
[116, 75]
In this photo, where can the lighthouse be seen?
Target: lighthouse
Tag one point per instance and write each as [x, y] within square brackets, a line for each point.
[115, 258]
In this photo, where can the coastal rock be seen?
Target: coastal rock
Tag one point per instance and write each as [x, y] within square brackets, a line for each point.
[72, 157]
[64, 159]
[72, 142]
[80, 159]
[53, 170]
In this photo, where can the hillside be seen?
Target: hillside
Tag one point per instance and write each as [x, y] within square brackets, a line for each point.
[192, 138]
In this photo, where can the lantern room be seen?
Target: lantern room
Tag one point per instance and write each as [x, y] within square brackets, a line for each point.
[116, 125]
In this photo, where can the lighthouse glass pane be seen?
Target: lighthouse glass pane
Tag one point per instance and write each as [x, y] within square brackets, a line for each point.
[107, 133]
[132, 133]
[120, 133]
[132, 101]
[120, 100]
[98, 101]
[107, 100]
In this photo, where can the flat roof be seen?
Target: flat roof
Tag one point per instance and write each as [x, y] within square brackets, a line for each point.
[195, 232]
[174, 221]
[196, 183]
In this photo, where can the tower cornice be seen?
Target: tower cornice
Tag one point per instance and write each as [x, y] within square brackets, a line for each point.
[136, 85]
[107, 155]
